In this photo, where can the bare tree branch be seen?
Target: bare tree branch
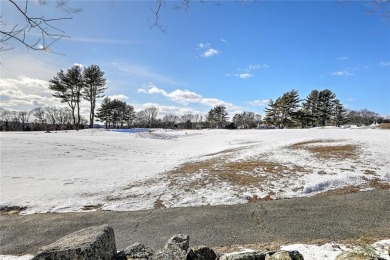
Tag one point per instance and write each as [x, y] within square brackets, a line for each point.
[156, 13]
[37, 33]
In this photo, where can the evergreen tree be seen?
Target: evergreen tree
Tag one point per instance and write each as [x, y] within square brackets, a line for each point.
[68, 86]
[311, 108]
[281, 112]
[326, 101]
[340, 114]
[217, 117]
[94, 88]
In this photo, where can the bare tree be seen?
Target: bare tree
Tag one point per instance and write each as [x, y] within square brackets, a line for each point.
[36, 32]
[149, 115]
[23, 116]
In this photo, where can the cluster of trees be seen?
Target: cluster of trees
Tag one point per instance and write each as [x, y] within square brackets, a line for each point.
[38, 119]
[115, 113]
[76, 84]
[320, 108]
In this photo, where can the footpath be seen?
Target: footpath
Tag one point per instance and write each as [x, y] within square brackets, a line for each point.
[298, 220]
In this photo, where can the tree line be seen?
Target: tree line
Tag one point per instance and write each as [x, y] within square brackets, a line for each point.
[319, 108]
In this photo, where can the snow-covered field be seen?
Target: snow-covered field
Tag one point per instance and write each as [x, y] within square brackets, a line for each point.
[71, 171]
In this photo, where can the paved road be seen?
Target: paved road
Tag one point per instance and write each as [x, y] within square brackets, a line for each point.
[330, 217]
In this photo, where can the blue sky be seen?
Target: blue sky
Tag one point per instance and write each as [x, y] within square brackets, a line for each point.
[235, 54]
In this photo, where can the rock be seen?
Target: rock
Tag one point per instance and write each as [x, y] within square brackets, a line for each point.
[201, 253]
[284, 255]
[138, 251]
[181, 241]
[96, 242]
[175, 248]
[121, 256]
[358, 255]
[255, 255]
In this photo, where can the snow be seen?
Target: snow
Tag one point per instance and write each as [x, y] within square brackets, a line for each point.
[65, 171]
[330, 251]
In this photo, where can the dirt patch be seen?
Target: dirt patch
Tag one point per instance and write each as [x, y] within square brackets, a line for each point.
[158, 204]
[334, 151]
[11, 210]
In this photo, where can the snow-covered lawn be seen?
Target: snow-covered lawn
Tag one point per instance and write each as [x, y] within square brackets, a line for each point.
[71, 171]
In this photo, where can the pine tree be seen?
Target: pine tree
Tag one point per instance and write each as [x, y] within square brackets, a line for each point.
[94, 88]
[340, 113]
[311, 108]
[326, 106]
[217, 117]
[68, 86]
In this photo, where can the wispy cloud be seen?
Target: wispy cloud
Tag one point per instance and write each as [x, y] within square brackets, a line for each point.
[246, 73]
[186, 97]
[342, 58]
[223, 40]
[384, 64]
[257, 66]
[139, 72]
[100, 40]
[207, 50]
[258, 102]
[341, 73]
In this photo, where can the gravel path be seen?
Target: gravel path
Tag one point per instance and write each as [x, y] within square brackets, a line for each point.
[323, 217]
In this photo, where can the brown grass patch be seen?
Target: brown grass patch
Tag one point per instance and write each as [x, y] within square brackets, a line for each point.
[379, 185]
[11, 210]
[251, 172]
[340, 152]
[384, 126]
[92, 207]
[342, 191]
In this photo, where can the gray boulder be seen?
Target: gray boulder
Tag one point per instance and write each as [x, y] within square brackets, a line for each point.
[284, 255]
[176, 248]
[201, 253]
[96, 242]
[256, 255]
[138, 251]
[358, 255]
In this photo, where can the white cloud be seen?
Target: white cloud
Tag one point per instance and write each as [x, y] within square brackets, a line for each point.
[204, 45]
[79, 65]
[25, 93]
[259, 103]
[342, 73]
[210, 52]
[186, 97]
[245, 75]
[384, 63]
[223, 40]
[119, 96]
